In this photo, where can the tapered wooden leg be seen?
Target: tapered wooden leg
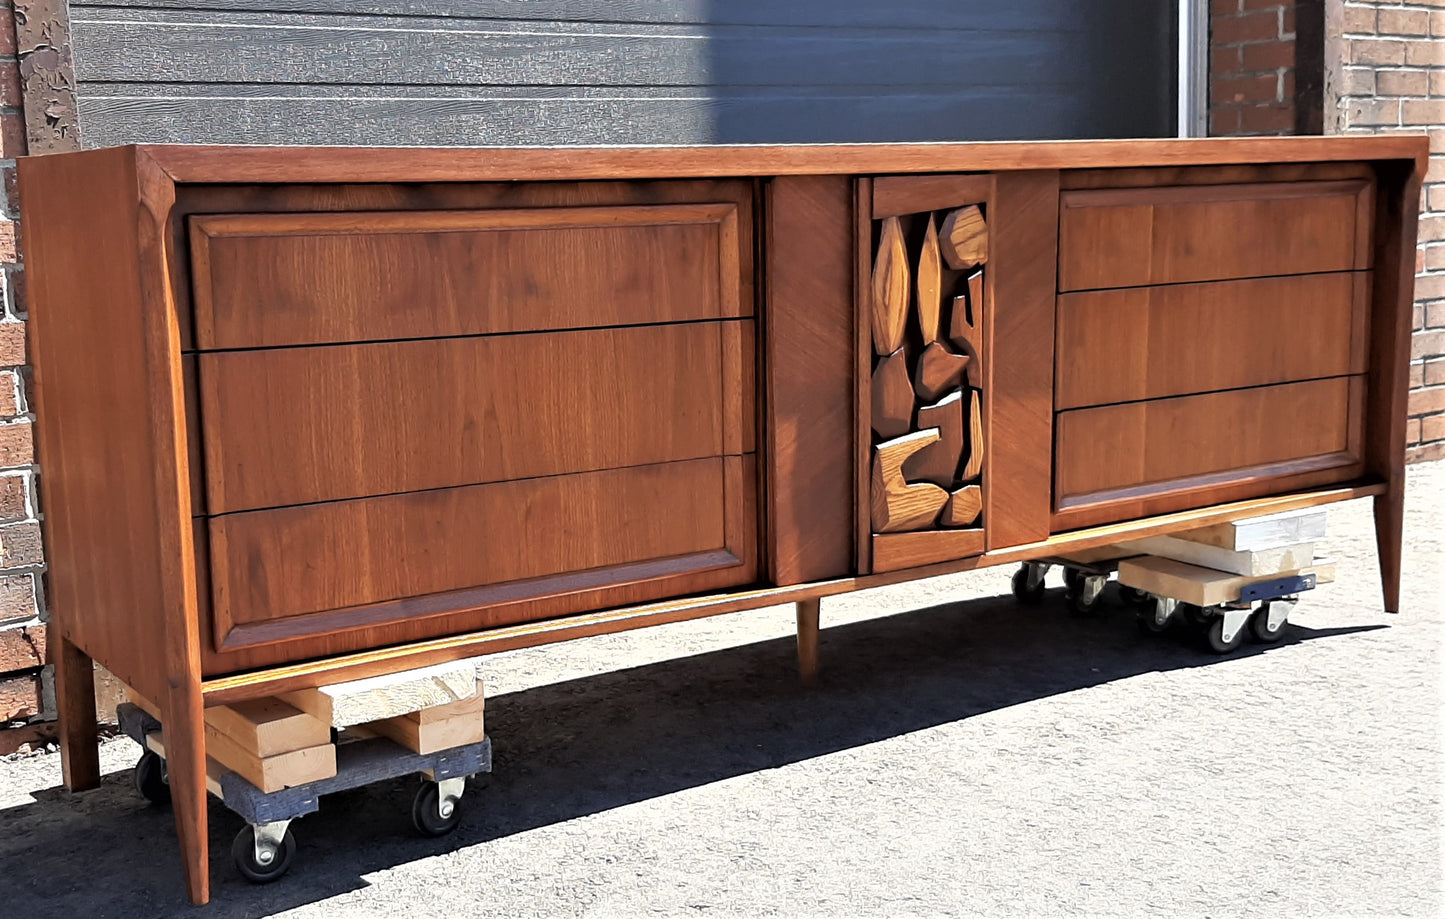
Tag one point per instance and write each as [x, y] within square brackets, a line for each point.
[1389, 540]
[186, 767]
[808, 641]
[75, 701]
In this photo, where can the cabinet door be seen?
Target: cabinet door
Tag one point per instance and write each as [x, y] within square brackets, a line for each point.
[957, 296]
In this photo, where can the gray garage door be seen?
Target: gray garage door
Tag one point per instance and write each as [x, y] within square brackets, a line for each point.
[441, 72]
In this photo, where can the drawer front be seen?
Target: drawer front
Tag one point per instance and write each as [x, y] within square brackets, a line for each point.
[301, 425]
[265, 280]
[1118, 461]
[1136, 236]
[1153, 342]
[517, 550]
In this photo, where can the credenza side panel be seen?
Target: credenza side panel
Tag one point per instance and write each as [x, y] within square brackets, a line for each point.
[810, 364]
[1018, 464]
[95, 391]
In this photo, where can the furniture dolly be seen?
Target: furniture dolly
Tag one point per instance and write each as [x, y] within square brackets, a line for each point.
[314, 414]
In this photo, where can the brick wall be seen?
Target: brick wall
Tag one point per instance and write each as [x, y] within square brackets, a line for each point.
[1386, 72]
[23, 682]
[1252, 69]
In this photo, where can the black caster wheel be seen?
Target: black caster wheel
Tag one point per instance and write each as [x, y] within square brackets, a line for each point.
[425, 816]
[1214, 637]
[1259, 628]
[243, 854]
[1133, 596]
[151, 779]
[1073, 579]
[1028, 596]
[1193, 615]
[1148, 625]
[1074, 597]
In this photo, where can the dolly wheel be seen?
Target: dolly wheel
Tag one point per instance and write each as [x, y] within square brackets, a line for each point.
[1023, 592]
[1214, 636]
[430, 816]
[1259, 626]
[243, 853]
[151, 779]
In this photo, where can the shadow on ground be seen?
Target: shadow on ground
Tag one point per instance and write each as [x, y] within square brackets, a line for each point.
[571, 749]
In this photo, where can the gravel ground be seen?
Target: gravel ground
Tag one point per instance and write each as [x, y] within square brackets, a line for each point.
[964, 757]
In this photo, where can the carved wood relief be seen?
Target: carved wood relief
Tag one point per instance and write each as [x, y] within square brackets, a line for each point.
[927, 314]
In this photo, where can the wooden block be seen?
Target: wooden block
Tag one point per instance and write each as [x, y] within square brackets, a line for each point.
[1251, 564]
[964, 238]
[266, 727]
[896, 504]
[156, 743]
[375, 698]
[1307, 524]
[892, 397]
[939, 370]
[963, 507]
[896, 551]
[1193, 584]
[472, 707]
[938, 462]
[930, 284]
[974, 467]
[434, 735]
[964, 328]
[890, 289]
[272, 773]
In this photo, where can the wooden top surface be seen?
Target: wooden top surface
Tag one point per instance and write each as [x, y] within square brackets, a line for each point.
[198, 163]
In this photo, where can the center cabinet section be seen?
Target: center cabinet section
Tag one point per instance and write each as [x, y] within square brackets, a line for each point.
[417, 422]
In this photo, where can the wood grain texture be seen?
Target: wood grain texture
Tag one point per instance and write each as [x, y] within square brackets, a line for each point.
[965, 328]
[1269, 532]
[355, 702]
[272, 773]
[963, 507]
[891, 289]
[223, 689]
[1137, 236]
[276, 564]
[1152, 342]
[938, 462]
[896, 196]
[807, 615]
[930, 284]
[811, 370]
[1193, 584]
[977, 450]
[900, 551]
[1019, 374]
[192, 163]
[75, 712]
[432, 736]
[300, 425]
[1172, 453]
[897, 503]
[938, 371]
[1154, 177]
[964, 238]
[892, 396]
[284, 279]
[1254, 563]
[267, 727]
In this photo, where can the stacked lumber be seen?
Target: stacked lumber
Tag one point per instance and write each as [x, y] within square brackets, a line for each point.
[1211, 565]
[284, 741]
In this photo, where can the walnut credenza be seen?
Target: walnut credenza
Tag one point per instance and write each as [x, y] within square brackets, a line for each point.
[314, 414]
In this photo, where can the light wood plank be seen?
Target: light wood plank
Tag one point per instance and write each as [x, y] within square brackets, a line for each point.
[267, 727]
[1307, 524]
[376, 698]
[1200, 586]
[1257, 563]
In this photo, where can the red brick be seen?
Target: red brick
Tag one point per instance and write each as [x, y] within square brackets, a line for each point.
[1437, 23]
[12, 135]
[8, 248]
[14, 504]
[1427, 401]
[10, 94]
[1432, 227]
[1422, 111]
[1223, 122]
[15, 282]
[1226, 60]
[1266, 4]
[20, 545]
[12, 344]
[1427, 344]
[1403, 82]
[1404, 22]
[1267, 119]
[22, 649]
[1262, 88]
[1417, 375]
[1425, 53]
[1434, 256]
[1434, 371]
[1260, 26]
[1358, 81]
[1418, 314]
[1426, 453]
[10, 403]
[17, 446]
[1286, 22]
[1412, 430]
[1270, 55]
[17, 597]
[1432, 429]
[1360, 19]
[1376, 51]
[19, 697]
[1434, 316]
[1218, 7]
